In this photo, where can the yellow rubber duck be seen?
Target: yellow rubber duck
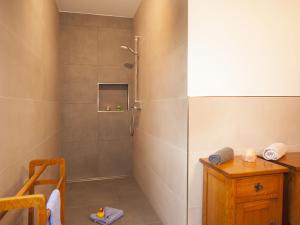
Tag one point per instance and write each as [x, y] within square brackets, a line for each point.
[100, 213]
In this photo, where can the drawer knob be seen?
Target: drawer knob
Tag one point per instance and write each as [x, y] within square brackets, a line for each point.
[258, 187]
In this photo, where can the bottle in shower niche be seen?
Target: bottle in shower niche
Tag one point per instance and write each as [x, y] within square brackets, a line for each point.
[119, 108]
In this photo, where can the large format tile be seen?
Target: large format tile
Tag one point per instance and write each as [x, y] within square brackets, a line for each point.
[89, 53]
[81, 159]
[118, 74]
[79, 122]
[76, 19]
[160, 142]
[113, 126]
[164, 200]
[29, 114]
[115, 74]
[115, 158]
[79, 84]
[9, 142]
[115, 22]
[21, 72]
[110, 53]
[79, 45]
[86, 197]
[242, 122]
[80, 216]
[24, 19]
[90, 194]
[166, 119]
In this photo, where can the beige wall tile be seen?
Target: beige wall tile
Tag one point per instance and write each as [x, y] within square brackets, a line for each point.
[79, 74]
[81, 45]
[81, 158]
[8, 139]
[115, 22]
[110, 53]
[115, 158]
[79, 122]
[168, 111]
[243, 122]
[76, 19]
[79, 83]
[115, 74]
[24, 20]
[113, 126]
[89, 53]
[29, 114]
[160, 141]
[195, 216]
[64, 45]
[164, 159]
[154, 186]
[19, 68]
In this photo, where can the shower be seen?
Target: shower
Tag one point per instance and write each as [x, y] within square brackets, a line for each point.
[125, 47]
[137, 104]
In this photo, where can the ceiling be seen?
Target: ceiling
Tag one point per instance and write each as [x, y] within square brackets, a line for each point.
[120, 8]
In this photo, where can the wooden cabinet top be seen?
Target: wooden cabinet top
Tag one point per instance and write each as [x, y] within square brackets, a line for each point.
[290, 160]
[238, 168]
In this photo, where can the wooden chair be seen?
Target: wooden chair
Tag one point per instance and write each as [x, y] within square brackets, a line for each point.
[32, 200]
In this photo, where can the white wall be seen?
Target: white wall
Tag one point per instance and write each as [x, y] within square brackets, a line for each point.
[244, 48]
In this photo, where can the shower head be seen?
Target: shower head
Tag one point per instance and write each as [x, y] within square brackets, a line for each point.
[125, 47]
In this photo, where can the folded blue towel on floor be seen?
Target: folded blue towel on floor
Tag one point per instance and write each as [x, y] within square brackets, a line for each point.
[111, 215]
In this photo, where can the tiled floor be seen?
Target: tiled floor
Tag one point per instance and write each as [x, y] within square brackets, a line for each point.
[86, 197]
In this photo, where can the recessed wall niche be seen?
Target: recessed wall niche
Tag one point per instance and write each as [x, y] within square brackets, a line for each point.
[113, 97]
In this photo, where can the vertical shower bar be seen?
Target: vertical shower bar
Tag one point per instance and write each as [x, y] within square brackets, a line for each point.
[136, 72]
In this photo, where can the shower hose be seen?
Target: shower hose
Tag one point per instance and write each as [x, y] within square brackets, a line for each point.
[132, 120]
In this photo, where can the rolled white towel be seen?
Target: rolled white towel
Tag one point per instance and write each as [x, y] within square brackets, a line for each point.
[275, 151]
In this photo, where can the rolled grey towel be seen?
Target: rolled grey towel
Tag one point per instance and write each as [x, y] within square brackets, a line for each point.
[221, 156]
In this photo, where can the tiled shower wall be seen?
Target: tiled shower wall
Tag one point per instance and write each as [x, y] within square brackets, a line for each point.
[29, 79]
[94, 144]
[160, 141]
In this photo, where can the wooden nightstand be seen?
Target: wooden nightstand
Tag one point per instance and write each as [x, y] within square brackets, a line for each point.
[241, 193]
[292, 188]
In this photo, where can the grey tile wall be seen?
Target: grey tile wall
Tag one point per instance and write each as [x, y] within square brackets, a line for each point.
[94, 144]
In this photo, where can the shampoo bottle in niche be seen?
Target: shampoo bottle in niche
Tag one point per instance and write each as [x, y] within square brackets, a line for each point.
[119, 108]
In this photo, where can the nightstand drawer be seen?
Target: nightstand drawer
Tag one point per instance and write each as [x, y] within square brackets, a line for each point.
[258, 185]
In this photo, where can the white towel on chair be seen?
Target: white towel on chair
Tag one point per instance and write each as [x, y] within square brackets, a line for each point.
[53, 205]
[275, 151]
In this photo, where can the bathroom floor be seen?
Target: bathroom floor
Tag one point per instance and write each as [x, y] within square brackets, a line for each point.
[86, 197]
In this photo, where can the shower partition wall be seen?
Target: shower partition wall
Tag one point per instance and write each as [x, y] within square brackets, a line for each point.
[95, 144]
[160, 139]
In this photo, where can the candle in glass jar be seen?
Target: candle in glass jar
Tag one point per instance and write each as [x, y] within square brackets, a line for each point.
[249, 155]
